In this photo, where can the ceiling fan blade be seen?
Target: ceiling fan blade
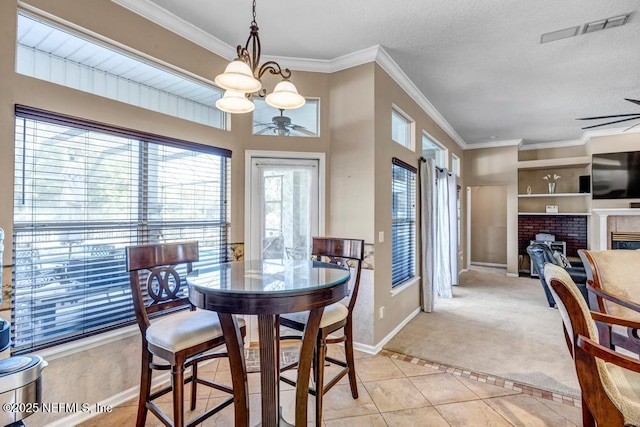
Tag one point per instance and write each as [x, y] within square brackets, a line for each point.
[303, 130]
[262, 131]
[635, 101]
[615, 121]
[608, 117]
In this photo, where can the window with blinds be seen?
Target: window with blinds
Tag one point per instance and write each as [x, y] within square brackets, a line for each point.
[83, 192]
[403, 228]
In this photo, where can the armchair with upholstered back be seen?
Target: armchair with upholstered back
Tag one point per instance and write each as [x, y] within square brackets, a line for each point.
[540, 254]
[609, 381]
[614, 281]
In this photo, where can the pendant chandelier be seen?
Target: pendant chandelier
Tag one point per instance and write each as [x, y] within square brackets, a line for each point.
[243, 78]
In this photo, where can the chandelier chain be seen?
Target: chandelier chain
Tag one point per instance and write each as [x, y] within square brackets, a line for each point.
[254, 14]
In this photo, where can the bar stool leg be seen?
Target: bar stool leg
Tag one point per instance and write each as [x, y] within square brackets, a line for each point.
[177, 383]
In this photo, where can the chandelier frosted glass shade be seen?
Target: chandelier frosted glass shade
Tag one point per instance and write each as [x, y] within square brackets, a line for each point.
[238, 77]
[285, 96]
[235, 102]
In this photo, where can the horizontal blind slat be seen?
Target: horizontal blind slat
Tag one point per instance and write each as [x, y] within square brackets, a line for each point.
[81, 197]
[403, 222]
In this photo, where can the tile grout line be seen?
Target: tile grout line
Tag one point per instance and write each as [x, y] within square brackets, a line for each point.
[489, 379]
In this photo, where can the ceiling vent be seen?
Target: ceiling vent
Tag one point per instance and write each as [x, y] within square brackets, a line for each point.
[559, 35]
[604, 24]
[590, 27]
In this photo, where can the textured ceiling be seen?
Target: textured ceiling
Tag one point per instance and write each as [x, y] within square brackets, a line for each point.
[480, 64]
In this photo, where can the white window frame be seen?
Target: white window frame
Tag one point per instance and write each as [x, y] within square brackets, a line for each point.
[411, 140]
[445, 151]
[455, 164]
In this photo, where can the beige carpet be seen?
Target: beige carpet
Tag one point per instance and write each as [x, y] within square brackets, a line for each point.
[496, 325]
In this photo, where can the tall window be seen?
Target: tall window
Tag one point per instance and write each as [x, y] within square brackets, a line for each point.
[432, 150]
[83, 192]
[402, 128]
[403, 231]
[56, 54]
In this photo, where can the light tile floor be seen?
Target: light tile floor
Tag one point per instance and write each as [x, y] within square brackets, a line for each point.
[394, 390]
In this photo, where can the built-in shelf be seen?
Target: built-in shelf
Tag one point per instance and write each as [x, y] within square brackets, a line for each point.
[556, 195]
[555, 163]
[557, 213]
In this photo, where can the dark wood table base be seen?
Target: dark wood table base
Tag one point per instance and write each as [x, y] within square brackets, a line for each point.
[269, 333]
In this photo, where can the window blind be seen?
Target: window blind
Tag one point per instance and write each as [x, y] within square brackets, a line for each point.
[403, 228]
[83, 192]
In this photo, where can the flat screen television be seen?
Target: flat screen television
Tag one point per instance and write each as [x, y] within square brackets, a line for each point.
[616, 175]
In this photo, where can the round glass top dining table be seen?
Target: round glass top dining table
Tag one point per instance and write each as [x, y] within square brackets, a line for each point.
[268, 288]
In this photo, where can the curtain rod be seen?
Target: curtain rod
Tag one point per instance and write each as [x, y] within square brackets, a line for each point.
[422, 159]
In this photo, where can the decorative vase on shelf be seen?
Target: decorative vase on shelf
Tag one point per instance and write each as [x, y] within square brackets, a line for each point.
[528, 189]
[551, 179]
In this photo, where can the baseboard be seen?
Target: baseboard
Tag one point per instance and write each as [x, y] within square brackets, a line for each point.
[375, 349]
[110, 402]
[512, 275]
[489, 264]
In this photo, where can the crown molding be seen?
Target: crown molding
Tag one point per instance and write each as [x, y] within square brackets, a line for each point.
[586, 137]
[389, 65]
[340, 63]
[171, 22]
[555, 144]
[183, 28]
[494, 144]
[608, 132]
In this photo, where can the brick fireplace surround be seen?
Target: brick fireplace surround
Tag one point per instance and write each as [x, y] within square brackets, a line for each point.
[571, 229]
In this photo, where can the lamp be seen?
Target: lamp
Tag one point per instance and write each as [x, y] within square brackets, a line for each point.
[242, 79]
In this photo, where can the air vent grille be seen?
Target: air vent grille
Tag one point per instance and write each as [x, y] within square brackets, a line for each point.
[590, 27]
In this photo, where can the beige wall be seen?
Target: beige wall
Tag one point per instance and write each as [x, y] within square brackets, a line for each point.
[489, 224]
[388, 93]
[351, 174]
[350, 163]
[498, 166]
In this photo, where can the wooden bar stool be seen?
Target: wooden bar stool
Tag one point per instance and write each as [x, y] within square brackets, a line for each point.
[348, 253]
[181, 339]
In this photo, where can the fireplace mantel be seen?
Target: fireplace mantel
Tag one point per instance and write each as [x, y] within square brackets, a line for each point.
[616, 211]
[603, 214]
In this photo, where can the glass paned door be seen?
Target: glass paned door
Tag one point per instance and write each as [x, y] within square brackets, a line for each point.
[284, 205]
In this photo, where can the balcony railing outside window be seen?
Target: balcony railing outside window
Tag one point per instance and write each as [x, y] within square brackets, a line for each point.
[85, 191]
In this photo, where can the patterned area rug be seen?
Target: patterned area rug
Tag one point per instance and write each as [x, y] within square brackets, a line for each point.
[288, 354]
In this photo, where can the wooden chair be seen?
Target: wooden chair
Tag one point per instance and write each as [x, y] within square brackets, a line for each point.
[614, 281]
[609, 381]
[348, 253]
[181, 339]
